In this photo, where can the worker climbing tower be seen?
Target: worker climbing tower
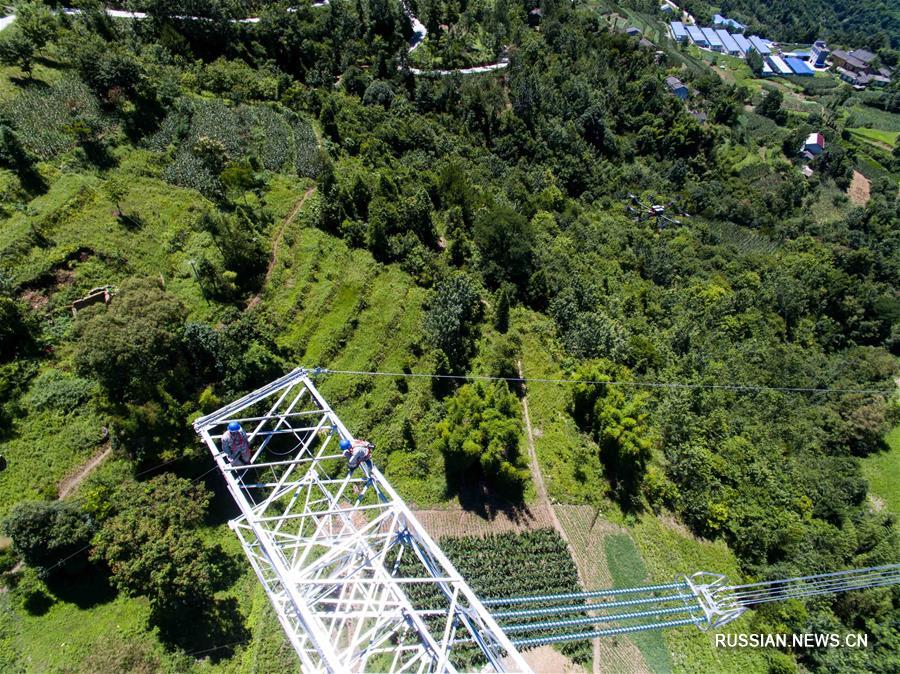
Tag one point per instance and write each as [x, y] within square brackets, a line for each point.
[356, 582]
[359, 585]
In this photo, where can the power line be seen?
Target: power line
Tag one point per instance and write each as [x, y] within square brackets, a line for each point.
[617, 382]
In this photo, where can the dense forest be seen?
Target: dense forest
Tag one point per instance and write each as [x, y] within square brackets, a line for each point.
[496, 205]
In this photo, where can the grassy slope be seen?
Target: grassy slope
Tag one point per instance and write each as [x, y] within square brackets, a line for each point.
[337, 308]
[568, 458]
[883, 472]
[879, 136]
[668, 550]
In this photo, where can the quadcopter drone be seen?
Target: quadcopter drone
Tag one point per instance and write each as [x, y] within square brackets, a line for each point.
[644, 211]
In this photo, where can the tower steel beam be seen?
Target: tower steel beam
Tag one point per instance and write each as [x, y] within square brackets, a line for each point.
[355, 580]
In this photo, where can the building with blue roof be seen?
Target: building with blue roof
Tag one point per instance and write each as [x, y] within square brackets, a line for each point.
[820, 52]
[799, 66]
[759, 45]
[742, 42]
[720, 20]
[728, 42]
[714, 42]
[678, 31]
[697, 36]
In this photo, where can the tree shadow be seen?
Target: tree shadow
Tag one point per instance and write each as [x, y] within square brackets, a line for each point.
[98, 154]
[32, 181]
[87, 589]
[478, 496]
[214, 630]
[28, 82]
[130, 221]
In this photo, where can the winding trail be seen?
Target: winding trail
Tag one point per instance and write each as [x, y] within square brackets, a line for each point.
[541, 489]
[289, 218]
[70, 483]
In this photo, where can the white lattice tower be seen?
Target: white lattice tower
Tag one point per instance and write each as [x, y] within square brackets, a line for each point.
[356, 582]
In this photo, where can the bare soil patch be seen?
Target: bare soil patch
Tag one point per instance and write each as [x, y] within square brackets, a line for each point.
[859, 189]
[458, 522]
[547, 660]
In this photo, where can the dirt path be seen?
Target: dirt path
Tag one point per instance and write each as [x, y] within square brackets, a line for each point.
[859, 189]
[278, 235]
[70, 483]
[541, 489]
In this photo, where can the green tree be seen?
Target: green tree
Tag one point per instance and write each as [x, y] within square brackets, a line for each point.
[451, 320]
[479, 436]
[506, 240]
[618, 422]
[116, 189]
[36, 23]
[107, 69]
[16, 330]
[240, 178]
[770, 106]
[153, 549]
[49, 536]
[135, 343]
[34, 27]
[755, 61]
[16, 49]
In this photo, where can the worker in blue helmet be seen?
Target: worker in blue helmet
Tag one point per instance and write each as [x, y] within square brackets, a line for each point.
[358, 452]
[236, 445]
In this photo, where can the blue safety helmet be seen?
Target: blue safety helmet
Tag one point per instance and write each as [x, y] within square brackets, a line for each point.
[345, 444]
[234, 426]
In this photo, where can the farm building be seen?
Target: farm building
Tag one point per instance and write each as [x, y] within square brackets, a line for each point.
[799, 66]
[678, 31]
[819, 53]
[814, 144]
[742, 43]
[847, 61]
[778, 65]
[731, 47]
[677, 87]
[697, 36]
[720, 20]
[633, 31]
[760, 45]
[862, 55]
[713, 39]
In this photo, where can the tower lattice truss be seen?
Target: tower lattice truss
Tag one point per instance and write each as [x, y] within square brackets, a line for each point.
[355, 580]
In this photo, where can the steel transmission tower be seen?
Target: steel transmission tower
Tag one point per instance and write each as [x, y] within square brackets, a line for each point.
[356, 582]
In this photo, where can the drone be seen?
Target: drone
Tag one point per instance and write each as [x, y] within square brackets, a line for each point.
[644, 211]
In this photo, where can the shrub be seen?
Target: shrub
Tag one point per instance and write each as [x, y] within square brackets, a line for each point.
[153, 549]
[54, 390]
[49, 535]
[452, 317]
